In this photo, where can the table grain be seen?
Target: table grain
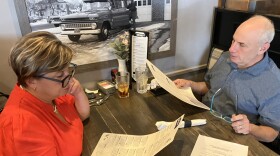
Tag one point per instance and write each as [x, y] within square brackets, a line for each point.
[138, 114]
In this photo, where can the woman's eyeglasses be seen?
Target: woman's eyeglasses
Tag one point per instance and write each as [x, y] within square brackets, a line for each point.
[66, 80]
[218, 114]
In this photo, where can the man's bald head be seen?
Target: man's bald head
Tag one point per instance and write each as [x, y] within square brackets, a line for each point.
[251, 40]
[261, 25]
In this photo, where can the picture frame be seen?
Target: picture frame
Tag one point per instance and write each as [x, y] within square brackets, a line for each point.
[24, 24]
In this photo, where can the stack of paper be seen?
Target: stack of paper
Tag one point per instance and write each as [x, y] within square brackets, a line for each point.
[141, 145]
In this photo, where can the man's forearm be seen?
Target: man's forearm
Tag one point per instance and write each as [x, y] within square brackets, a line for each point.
[199, 87]
[263, 133]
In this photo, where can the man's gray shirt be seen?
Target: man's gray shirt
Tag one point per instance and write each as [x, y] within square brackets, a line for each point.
[254, 91]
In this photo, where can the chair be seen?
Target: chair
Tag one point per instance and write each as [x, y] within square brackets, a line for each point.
[214, 56]
[3, 100]
[274, 145]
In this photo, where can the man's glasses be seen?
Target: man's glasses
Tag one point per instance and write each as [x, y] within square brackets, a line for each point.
[67, 79]
[218, 114]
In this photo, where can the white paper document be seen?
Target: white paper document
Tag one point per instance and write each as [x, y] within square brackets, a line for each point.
[111, 144]
[185, 95]
[207, 146]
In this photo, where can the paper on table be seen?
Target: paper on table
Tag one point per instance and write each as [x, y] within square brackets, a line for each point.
[141, 145]
[210, 146]
[185, 95]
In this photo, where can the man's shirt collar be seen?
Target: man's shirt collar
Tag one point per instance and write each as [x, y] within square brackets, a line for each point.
[255, 69]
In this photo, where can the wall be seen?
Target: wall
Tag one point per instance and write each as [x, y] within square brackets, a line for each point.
[192, 47]
[194, 28]
[9, 32]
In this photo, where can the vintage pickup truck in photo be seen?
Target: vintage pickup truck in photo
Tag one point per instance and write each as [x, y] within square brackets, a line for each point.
[96, 18]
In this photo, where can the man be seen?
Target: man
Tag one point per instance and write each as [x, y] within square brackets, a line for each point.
[245, 82]
[133, 9]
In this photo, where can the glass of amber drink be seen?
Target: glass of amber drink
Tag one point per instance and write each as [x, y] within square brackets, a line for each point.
[122, 81]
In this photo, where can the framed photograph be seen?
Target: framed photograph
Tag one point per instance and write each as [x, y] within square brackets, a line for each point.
[89, 26]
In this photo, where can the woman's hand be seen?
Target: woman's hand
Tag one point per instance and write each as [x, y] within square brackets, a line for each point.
[75, 87]
[81, 100]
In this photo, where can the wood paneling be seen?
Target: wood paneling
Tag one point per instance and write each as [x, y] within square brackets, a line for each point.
[258, 6]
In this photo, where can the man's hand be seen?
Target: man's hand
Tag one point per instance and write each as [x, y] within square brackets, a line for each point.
[197, 87]
[240, 124]
[182, 83]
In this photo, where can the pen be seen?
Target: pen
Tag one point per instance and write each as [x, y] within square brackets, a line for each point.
[183, 124]
[195, 122]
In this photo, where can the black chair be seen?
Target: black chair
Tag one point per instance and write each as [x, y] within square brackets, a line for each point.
[3, 100]
[275, 145]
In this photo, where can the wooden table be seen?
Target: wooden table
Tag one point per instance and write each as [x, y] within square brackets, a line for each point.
[138, 114]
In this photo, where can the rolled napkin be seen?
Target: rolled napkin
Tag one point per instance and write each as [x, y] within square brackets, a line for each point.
[153, 84]
[183, 124]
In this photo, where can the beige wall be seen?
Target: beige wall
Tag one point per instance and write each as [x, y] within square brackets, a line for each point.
[9, 32]
[192, 47]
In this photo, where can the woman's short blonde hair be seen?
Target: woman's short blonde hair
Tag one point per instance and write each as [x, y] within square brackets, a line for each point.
[38, 53]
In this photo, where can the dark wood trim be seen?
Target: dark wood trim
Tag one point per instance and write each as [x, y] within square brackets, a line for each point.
[22, 16]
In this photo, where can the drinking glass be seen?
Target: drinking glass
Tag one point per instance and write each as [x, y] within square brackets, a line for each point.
[122, 81]
[141, 74]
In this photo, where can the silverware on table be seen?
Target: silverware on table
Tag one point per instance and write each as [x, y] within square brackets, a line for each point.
[94, 102]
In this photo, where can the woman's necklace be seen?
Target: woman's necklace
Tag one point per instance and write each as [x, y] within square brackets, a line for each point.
[53, 102]
[54, 107]
[55, 110]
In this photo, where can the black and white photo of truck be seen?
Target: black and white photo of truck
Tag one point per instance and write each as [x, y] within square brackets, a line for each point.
[97, 17]
[153, 16]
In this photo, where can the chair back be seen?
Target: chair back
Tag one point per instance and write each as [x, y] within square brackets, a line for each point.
[3, 99]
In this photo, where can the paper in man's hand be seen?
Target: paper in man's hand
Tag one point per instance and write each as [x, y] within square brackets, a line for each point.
[185, 95]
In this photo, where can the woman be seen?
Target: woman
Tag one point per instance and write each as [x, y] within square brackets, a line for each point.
[44, 113]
